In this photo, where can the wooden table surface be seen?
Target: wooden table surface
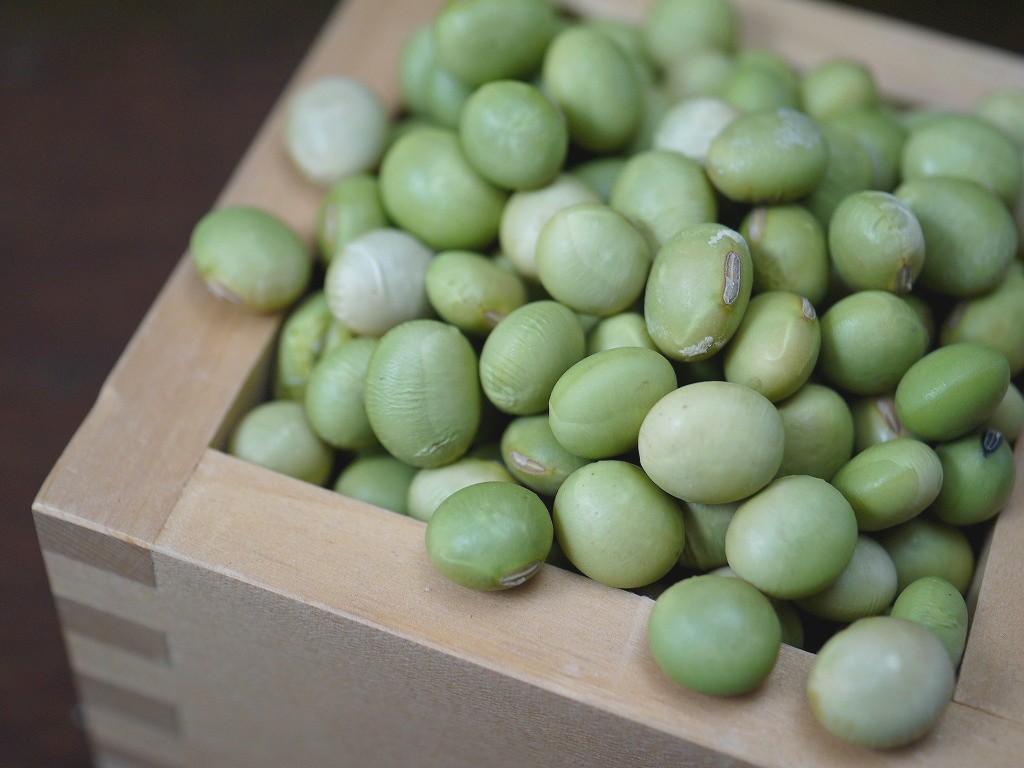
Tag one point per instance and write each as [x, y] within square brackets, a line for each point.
[119, 124]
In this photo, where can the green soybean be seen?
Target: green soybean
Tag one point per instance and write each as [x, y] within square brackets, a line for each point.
[847, 171]
[952, 390]
[526, 213]
[771, 61]
[663, 193]
[276, 435]
[526, 354]
[1004, 108]
[881, 136]
[676, 26]
[868, 341]
[837, 86]
[427, 87]
[712, 442]
[334, 396]
[793, 538]
[592, 259]
[969, 236]
[378, 479]
[705, 525]
[590, 78]
[992, 319]
[431, 486]
[876, 242]
[334, 126]
[432, 191]
[422, 393]
[628, 329]
[714, 635]
[597, 406]
[964, 147]
[882, 682]
[936, 604]
[378, 280]
[789, 619]
[534, 457]
[891, 482]
[616, 526]
[776, 346]
[752, 87]
[924, 546]
[690, 125]
[599, 174]
[654, 106]
[308, 333]
[697, 291]
[351, 207]
[630, 38]
[489, 536]
[788, 249]
[866, 587]
[1008, 417]
[926, 313]
[484, 40]
[250, 257]
[513, 135]
[977, 478]
[701, 71]
[472, 292]
[768, 156]
[875, 420]
[819, 432]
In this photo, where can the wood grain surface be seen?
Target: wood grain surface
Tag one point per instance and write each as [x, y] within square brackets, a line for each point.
[120, 123]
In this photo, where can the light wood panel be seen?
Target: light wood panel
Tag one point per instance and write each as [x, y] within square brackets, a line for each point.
[95, 547]
[115, 737]
[121, 666]
[104, 627]
[115, 630]
[104, 591]
[114, 757]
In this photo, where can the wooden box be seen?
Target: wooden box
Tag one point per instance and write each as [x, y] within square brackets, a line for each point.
[220, 615]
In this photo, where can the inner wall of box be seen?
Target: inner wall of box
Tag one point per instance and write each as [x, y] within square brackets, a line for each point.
[256, 388]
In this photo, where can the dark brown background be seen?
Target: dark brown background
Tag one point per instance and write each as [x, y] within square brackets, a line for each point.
[119, 123]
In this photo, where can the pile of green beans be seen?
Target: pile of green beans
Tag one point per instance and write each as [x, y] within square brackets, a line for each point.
[671, 314]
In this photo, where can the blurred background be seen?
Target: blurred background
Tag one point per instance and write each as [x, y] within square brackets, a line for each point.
[120, 121]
